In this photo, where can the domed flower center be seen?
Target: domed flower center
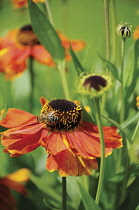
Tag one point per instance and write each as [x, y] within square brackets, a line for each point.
[61, 114]
[96, 82]
[27, 37]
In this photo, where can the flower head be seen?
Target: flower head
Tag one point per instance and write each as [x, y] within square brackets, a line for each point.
[20, 44]
[124, 30]
[72, 144]
[12, 181]
[93, 85]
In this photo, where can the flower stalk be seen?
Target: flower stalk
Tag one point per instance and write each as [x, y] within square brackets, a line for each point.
[49, 12]
[31, 71]
[102, 145]
[64, 193]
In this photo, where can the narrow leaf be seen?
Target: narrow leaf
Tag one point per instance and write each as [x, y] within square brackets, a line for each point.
[76, 62]
[46, 32]
[111, 67]
[119, 127]
[88, 201]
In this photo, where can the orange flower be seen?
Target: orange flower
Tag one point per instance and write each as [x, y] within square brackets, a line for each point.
[20, 44]
[12, 181]
[137, 102]
[136, 33]
[23, 3]
[72, 144]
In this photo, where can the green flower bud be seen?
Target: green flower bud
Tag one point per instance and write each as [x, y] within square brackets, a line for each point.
[124, 30]
[94, 85]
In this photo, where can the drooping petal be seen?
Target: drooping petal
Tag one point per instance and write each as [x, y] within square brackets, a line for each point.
[84, 145]
[17, 117]
[43, 100]
[19, 141]
[67, 163]
[53, 143]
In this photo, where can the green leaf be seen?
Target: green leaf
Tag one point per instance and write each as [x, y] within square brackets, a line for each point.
[129, 121]
[46, 32]
[111, 67]
[88, 201]
[76, 62]
[119, 127]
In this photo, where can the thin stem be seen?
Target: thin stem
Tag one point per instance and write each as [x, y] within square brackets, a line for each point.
[64, 194]
[107, 29]
[62, 73]
[122, 111]
[31, 104]
[49, 12]
[102, 145]
[113, 31]
[135, 131]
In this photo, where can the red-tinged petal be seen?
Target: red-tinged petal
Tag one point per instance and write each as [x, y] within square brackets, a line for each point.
[13, 185]
[22, 141]
[17, 117]
[53, 143]
[77, 45]
[111, 137]
[68, 163]
[85, 145]
[19, 3]
[7, 201]
[43, 100]
[42, 55]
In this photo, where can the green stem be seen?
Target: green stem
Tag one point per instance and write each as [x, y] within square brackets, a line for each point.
[49, 12]
[102, 145]
[62, 74]
[135, 131]
[31, 104]
[122, 111]
[107, 29]
[113, 33]
[64, 194]
[125, 160]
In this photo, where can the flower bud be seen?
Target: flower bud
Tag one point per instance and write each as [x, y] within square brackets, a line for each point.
[93, 85]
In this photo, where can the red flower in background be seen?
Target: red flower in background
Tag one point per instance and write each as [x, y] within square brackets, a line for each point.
[72, 144]
[20, 44]
[12, 181]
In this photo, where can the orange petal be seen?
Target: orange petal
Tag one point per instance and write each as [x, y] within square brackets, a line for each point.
[69, 164]
[53, 143]
[43, 100]
[42, 55]
[22, 140]
[17, 117]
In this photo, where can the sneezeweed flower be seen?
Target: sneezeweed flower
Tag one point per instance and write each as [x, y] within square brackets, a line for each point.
[20, 44]
[136, 33]
[94, 85]
[137, 102]
[12, 181]
[124, 30]
[72, 144]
